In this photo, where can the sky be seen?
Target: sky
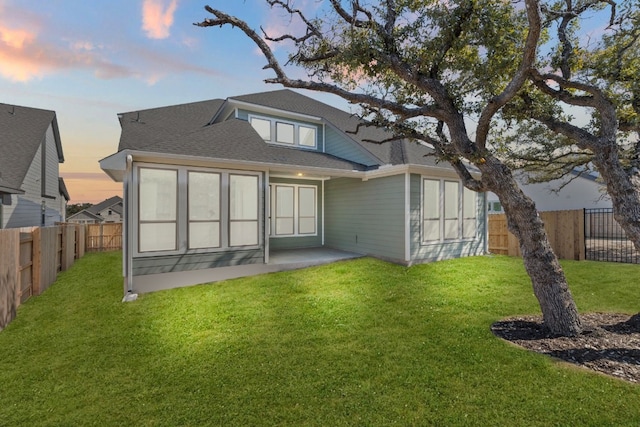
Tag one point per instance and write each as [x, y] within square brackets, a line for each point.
[90, 60]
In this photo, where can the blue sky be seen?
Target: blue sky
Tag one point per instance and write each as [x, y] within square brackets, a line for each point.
[90, 60]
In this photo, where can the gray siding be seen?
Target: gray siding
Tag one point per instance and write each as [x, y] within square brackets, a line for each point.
[186, 262]
[300, 241]
[244, 115]
[51, 188]
[366, 216]
[337, 145]
[26, 209]
[421, 253]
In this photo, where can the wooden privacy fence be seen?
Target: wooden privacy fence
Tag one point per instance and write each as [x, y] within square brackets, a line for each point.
[30, 260]
[104, 237]
[564, 228]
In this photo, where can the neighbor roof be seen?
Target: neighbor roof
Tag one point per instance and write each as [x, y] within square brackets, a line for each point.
[22, 131]
[109, 203]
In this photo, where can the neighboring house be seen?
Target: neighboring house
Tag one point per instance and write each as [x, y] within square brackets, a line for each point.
[226, 182]
[31, 190]
[576, 191]
[107, 211]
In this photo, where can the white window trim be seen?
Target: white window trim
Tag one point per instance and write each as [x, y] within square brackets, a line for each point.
[441, 187]
[296, 131]
[182, 220]
[296, 208]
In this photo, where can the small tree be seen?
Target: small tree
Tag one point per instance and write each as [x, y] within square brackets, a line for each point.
[420, 68]
[597, 76]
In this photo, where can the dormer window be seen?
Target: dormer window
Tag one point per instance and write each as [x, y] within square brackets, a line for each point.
[284, 132]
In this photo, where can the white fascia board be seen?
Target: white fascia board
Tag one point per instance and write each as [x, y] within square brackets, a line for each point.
[273, 111]
[115, 165]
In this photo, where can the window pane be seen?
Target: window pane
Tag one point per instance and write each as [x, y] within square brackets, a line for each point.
[431, 229]
[243, 197]
[307, 201]
[306, 225]
[263, 127]
[158, 194]
[284, 201]
[307, 136]
[243, 233]
[451, 193]
[431, 199]
[157, 237]
[204, 235]
[284, 133]
[450, 228]
[204, 196]
[284, 226]
[469, 228]
[469, 204]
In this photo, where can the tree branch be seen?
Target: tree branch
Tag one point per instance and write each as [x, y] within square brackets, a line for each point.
[528, 57]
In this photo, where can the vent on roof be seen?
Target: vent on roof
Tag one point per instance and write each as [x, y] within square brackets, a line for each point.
[13, 110]
[137, 119]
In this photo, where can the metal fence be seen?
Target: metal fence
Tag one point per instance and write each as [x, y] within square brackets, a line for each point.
[605, 240]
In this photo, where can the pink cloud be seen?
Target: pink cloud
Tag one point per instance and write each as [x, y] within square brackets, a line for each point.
[24, 57]
[157, 19]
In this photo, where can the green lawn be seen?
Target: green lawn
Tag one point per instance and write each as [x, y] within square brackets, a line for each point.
[359, 342]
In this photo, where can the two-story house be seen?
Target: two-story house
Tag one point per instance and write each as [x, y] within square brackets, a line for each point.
[230, 182]
[31, 190]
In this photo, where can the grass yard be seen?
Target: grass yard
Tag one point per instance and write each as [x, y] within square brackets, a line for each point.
[358, 342]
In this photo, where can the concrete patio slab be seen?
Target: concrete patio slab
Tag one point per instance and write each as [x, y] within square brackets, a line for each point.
[280, 260]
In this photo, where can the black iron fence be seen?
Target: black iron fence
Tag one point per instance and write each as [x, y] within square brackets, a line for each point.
[605, 240]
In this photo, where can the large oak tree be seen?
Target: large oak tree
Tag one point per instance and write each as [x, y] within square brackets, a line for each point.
[423, 69]
[582, 108]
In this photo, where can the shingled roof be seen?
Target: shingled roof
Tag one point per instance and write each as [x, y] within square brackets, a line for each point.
[22, 130]
[186, 129]
[370, 137]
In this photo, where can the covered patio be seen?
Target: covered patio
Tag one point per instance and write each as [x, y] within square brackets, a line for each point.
[279, 260]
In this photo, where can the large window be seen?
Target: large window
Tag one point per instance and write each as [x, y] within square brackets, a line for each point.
[204, 210]
[191, 209]
[243, 210]
[293, 210]
[449, 211]
[158, 210]
[284, 132]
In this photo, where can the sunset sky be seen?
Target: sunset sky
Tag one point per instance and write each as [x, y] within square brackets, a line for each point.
[90, 60]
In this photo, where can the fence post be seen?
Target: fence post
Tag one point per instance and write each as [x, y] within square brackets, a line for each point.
[36, 260]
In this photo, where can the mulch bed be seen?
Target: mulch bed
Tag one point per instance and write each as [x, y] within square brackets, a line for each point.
[610, 342]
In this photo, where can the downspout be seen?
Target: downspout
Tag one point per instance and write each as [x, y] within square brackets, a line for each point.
[407, 218]
[127, 235]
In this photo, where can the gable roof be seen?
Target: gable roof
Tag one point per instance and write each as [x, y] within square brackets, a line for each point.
[375, 140]
[110, 202]
[22, 131]
[236, 139]
[85, 214]
[147, 127]
[190, 129]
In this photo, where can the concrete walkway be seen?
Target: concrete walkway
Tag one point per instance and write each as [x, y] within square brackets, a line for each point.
[281, 260]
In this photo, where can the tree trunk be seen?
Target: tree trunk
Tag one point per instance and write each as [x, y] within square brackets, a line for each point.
[624, 189]
[549, 283]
